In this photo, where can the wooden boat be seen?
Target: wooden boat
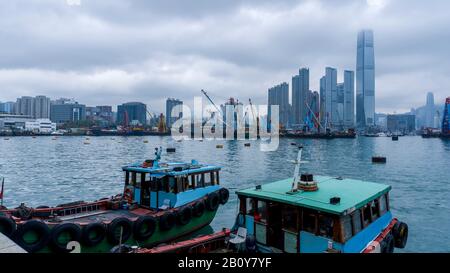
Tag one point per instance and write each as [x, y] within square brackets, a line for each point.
[161, 202]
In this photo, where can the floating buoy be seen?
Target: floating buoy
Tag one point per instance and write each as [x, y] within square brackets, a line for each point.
[394, 138]
[170, 150]
[219, 146]
[6, 138]
[378, 159]
[247, 144]
[293, 144]
[86, 143]
[145, 141]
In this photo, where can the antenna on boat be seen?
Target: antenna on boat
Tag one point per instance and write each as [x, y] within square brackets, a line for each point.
[297, 163]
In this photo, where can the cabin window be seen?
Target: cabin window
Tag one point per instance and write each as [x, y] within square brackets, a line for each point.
[261, 215]
[242, 205]
[133, 179]
[356, 221]
[192, 181]
[200, 180]
[127, 178]
[179, 184]
[346, 223]
[290, 218]
[366, 215]
[326, 224]
[170, 186]
[375, 208]
[154, 184]
[217, 178]
[383, 205]
[250, 205]
[309, 222]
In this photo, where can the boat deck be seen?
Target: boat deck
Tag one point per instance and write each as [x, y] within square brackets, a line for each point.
[105, 216]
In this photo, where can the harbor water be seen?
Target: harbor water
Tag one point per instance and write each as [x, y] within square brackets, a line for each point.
[47, 171]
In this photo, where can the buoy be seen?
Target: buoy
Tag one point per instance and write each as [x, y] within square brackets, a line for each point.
[145, 141]
[170, 150]
[86, 143]
[247, 144]
[378, 159]
[219, 146]
[394, 138]
[293, 144]
[6, 138]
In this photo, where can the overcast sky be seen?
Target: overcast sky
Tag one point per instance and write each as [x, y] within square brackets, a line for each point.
[111, 51]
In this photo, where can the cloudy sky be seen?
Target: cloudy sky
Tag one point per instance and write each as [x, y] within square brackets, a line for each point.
[111, 51]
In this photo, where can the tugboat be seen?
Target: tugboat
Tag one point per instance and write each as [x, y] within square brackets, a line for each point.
[161, 202]
[306, 214]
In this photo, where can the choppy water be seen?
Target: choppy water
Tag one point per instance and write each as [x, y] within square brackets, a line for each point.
[42, 171]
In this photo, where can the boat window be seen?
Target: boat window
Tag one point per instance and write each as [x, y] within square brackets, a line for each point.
[346, 223]
[326, 225]
[290, 218]
[217, 178]
[261, 215]
[154, 185]
[250, 205]
[179, 184]
[192, 181]
[127, 178]
[383, 205]
[242, 205]
[375, 208]
[356, 221]
[366, 215]
[201, 180]
[133, 179]
[309, 222]
[171, 185]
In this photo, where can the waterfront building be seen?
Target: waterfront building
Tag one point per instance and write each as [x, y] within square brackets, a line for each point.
[404, 123]
[7, 107]
[279, 95]
[300, 90]
[41, 107]
[365, 80]
[25, 106]
[62, 111]
[13, 122]
[170, 104]
[101, 114]
[340, 106]
[446, 118]
[349, 99]
[40, 126]
[132, 113]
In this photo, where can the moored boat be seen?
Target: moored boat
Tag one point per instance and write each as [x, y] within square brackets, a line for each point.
[161, 201]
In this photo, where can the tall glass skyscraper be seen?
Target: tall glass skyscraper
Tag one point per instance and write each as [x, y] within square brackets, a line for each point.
[279, 95]
[365, 80]
[300, 90]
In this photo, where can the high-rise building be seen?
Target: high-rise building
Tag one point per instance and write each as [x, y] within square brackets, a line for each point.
[365, 80]
[41, 107]
[170, 104]
[446, 118]
[429, 111]
[329, 99]
[279, 95]
[132, 113]
[7, 107]
[67, 111]
[401, 123]
[300, 89]
[340, 106]
[349, 99]
[25, 106]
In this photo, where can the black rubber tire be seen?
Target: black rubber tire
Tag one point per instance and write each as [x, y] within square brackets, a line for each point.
[114, 227]
[40, 228]
[100, 234]
[167, 221]
[144, 221]
[199, 209]
[388, 244]
[400, 232]
[7, 226]
[184, 216]
[224, 196]
[213, 201]
[72, 229]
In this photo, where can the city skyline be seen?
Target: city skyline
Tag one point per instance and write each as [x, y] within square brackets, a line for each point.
[148, 59]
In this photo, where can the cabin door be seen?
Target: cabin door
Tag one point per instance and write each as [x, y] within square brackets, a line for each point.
[274, 226]
[145, 194]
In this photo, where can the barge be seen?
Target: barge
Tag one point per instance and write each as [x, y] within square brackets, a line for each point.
[161, 201]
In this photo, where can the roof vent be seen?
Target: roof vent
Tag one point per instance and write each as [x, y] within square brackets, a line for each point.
[335, 200]
[258, 187]
[307, 177]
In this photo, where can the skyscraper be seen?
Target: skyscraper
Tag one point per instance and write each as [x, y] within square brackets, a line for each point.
[279, 95]
[365, 80]
[170, 104]
[300, 89]
[25, 106]
[349, 99]
[67, 111]
[329, 99]
[429, 111]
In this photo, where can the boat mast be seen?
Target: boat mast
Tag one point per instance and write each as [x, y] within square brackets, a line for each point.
[297, 163]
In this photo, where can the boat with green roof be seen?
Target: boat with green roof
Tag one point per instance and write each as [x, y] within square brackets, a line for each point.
[305, 214]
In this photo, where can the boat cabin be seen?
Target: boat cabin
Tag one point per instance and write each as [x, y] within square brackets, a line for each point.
[159, 185]
[332, 215]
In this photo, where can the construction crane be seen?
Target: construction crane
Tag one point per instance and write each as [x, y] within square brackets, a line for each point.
[162, 128]
[215, 106]
[308, 120]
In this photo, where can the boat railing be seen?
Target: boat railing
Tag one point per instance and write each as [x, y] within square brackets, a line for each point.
[79, 209]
